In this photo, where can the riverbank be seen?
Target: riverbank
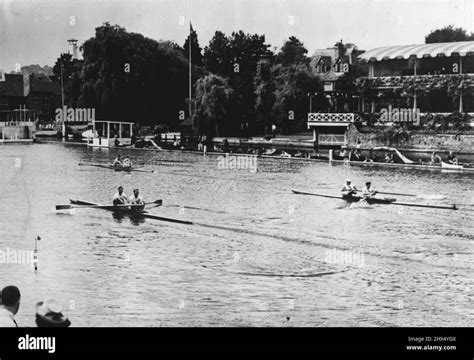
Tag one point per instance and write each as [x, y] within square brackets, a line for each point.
[419, 148]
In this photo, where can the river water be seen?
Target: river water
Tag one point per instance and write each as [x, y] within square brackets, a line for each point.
[257, 254]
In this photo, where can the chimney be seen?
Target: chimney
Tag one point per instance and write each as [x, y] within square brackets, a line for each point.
[73, 42]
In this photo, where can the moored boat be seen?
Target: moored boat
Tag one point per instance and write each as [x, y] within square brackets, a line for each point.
[451, 166]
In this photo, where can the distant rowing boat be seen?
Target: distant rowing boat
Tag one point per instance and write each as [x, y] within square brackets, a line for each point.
[406, 166]
[117, 168]
[373, 200]
[451, 166]
[130, 212]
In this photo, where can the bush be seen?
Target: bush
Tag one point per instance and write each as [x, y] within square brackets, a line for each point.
[444, 123]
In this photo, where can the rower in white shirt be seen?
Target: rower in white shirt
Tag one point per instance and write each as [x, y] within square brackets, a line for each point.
[368, 191]
[126, 162]
[348, 189]
[137, 199]
[120, 198]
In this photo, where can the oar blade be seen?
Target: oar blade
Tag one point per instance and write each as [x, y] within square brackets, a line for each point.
[64, 207]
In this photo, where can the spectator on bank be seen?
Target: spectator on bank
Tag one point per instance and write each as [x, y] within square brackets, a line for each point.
[225, 147]
[200, 143]
[204, 144]
[9, 306]
[435, 158]
[452, 159]
[49, 314]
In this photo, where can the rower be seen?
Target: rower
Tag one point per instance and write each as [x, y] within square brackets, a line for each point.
[136, 199]
[118, 161]
[368, 192]
[120, 198]
[348, 189]
[126, 162]
[452, 159]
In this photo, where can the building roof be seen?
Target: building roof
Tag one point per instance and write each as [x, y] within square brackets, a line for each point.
[12, 86]
[44, 85]
[461, 48]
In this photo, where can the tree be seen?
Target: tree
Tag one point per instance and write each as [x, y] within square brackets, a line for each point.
[196, 55]
[265, 95]
[235, 58]
[292, 52]
[128, 77]
[69, 74]
[448, 34]
[292, 84]
[213, 100]
[217, 57]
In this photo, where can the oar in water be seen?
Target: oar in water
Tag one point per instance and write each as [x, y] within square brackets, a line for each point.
[449, 207]
[65, 207]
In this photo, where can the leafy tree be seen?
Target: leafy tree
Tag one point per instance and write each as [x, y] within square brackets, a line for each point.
[213, 100]
[292, 52]
[235, 58]
[129, 77]
[448, 34]
[217, 55]
[70, 71]
[292, 84]
[265, 95]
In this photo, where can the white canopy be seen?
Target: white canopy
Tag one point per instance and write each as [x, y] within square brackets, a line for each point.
[461, 48]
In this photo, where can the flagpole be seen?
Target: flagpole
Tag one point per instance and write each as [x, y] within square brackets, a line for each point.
[63, 125]
[189, 50]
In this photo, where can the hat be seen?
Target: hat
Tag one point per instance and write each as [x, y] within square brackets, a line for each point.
[49, 313]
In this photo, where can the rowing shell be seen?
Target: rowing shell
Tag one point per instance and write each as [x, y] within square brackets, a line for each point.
[117, 168]
[377, 200]
[131, 212]
[353, 198]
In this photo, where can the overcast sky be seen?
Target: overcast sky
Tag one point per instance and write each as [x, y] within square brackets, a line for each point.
[36, 32]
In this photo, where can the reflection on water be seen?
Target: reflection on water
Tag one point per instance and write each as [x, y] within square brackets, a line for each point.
[256, 255]
[135, 219]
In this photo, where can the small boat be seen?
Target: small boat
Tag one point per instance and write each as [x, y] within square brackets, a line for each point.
[117, 168]
[127, 211]
[351, 198]
[385, 201]
[451, 166]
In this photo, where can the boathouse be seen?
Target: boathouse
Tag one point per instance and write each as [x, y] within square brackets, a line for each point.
[436, 78]
[105, 133]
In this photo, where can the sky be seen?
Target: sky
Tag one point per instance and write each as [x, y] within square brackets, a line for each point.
[36, 31]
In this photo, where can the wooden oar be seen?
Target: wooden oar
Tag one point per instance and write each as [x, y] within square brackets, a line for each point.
[430, 197]
[390, 193]
[65, 207]
[450, 207]
[155, 217]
